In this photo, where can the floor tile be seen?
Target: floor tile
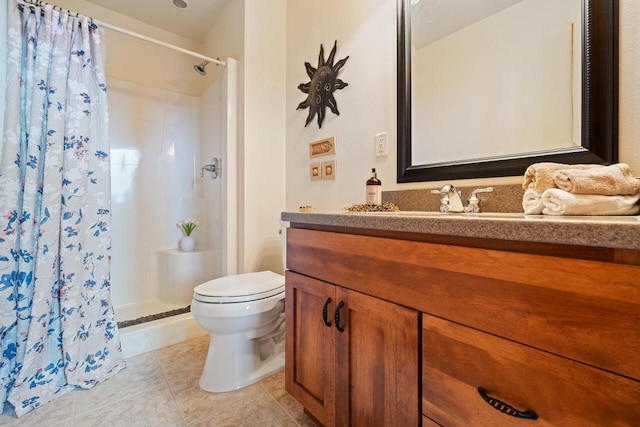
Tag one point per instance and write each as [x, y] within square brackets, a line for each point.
[274, 385]
[194, 350]
[152, 408]
[160, 388]
[183, 364]
[250, 406]
[197, 404]
[49, 415]
[142, 374]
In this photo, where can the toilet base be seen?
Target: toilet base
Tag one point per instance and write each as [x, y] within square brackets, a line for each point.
[232, 370]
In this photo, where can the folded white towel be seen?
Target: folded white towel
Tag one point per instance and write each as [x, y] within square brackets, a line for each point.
[532, 202]
[560, 202]
[613, 180]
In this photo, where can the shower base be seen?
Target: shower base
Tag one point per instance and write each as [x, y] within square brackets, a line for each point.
[152, 325]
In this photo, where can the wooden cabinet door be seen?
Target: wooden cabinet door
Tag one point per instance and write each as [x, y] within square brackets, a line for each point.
[377, 362]
[310, 345]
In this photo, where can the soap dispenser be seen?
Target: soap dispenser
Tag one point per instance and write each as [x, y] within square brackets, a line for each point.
[374, 189]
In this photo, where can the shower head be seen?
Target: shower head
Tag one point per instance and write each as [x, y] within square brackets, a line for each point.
[200, 68]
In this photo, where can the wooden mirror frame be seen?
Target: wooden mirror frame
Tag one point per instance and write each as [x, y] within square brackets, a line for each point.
[599, 105]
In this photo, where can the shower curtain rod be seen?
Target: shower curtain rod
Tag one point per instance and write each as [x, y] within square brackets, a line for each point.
[160, 43]
[141, 37]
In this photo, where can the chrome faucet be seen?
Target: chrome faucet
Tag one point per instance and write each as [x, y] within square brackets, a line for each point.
[451, 200]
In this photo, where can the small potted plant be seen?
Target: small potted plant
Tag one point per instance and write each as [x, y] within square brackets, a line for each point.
[187, 243]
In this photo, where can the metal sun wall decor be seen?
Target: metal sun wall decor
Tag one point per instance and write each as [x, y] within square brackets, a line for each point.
[323, 83]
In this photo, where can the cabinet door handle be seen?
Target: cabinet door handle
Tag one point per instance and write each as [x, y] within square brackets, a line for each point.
[324, 312]
[338, 327]
[505, 408]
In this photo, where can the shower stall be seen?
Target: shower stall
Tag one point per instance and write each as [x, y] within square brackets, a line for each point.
[160, 139]
[160, 142]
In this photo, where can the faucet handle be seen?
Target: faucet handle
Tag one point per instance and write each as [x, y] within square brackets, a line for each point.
[213, 168]
[481, 190]
[474, 201]
[444, 200]
[446, 189]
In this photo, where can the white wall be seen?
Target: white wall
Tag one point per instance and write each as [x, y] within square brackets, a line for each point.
[629, 92]
[212, 141]
[365, 30]
[262, 195]
[225, 38]
[253, 31]
[218, 121]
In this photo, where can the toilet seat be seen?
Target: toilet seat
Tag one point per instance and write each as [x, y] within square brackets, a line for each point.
[240, 288]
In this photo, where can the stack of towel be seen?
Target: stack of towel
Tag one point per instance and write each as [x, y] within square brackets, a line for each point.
[559, 189]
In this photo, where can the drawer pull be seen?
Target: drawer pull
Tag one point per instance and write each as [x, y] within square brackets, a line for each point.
[506, 408]
[338, 327]
[324, 312]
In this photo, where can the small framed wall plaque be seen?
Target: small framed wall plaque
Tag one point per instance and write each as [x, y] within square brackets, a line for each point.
[315, 171]
[323, 147]
[329, 170]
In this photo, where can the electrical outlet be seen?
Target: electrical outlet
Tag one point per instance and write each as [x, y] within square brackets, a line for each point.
[382, 144]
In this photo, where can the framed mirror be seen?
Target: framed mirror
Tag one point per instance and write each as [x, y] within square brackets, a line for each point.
[591, 69]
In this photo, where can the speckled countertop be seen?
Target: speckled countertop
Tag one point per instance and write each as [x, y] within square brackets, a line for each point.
[605, 231]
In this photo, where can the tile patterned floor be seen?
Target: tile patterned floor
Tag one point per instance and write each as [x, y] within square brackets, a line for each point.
[160, 389]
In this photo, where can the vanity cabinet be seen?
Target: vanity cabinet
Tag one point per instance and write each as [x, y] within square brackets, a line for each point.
[351, 359]
[498, 328]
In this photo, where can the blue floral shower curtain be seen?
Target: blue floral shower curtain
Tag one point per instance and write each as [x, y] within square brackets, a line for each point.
[57, 325]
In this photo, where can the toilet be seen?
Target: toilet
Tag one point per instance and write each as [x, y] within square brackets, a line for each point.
[244, 315]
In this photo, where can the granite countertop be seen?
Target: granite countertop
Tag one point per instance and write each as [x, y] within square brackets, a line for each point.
[601, 231]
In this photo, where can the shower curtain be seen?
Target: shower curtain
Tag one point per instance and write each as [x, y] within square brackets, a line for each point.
[57, 325]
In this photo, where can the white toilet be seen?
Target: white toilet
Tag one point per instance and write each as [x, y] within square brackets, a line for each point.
[244, 315]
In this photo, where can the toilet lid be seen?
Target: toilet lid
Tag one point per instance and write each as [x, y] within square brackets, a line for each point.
[240, 287]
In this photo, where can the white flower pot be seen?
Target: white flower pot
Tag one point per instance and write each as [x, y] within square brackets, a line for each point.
[187, 243]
